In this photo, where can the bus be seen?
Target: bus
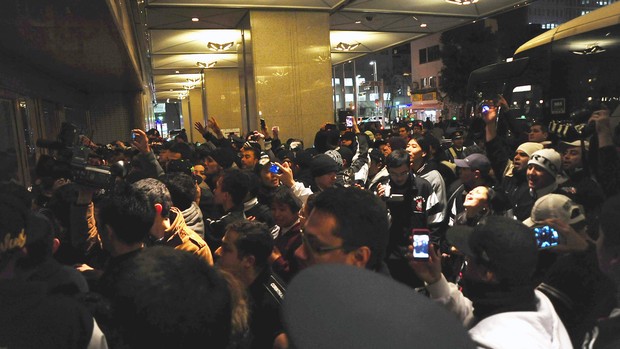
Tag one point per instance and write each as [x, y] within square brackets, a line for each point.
[560, 75]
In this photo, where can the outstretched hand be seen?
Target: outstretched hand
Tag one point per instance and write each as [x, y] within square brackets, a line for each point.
[141, 141]
[428, 271]
[200, 127]
[286, 174]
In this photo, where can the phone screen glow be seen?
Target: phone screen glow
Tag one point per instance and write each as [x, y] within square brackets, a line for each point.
[420, 246]
[546, 236]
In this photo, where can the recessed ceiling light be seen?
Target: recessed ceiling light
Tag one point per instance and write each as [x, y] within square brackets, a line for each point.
[343, 46]
[462, 2]
[358, 22]
[423, 25]
[206, 65]
[176, 72]
[195, 19]
[214, 46]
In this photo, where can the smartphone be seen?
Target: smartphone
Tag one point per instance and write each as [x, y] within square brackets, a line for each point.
[349, 121]
[274, 168]
[546, 237]
[133, 136]
[421, 240]
[485, 108]
[262, 124]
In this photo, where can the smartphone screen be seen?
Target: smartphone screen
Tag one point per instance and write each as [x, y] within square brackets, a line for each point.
[274, 169]
[421, 239]
[349, 121]
[546, 237]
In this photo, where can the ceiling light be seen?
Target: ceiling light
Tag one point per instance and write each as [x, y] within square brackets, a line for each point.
[462, 2]
[358, 22]
[280, 74]
[176, 72]
[206, 65]
[343, 46]
[213, 46]
[195, 19]
[423, 25]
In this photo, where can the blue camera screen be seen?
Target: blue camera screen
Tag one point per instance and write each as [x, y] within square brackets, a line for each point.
[546, 237]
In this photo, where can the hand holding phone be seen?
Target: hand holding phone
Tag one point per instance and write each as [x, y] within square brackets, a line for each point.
[421, 241]
[263, 125]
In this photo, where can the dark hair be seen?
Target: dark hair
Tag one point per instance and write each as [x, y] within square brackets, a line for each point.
[129, 213]
[285, 196]
[254, 239]
[424, 143]
[361, 219]
[184, 149]
[543, 127]
[236, 183]
[182, 188]
[397, 142]
[155, 192]
[254, 150]
[379, 142]
[166, 298]
[397, 158]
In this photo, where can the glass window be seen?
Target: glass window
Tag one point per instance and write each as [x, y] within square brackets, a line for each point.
[423, 58]
[434, 54]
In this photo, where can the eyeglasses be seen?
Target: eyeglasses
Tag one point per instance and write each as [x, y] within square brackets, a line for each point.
[313, 246]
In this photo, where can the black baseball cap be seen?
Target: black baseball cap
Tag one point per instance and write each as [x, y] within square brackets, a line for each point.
[504, 245]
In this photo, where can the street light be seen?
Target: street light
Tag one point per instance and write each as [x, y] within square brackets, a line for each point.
[374, 69]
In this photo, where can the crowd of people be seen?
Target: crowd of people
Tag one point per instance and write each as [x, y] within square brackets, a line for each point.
[238, 241]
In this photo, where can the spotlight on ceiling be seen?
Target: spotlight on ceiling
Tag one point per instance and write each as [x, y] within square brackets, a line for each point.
[462, 2]
[213, 46]
[343, 46]
[206, 65]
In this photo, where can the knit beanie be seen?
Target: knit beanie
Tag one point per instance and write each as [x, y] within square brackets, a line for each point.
[223, 156]
[323, 164]
[530, 147]
[334, 154]
[551, 161]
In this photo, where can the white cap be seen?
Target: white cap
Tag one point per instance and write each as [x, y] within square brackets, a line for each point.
[555, 206]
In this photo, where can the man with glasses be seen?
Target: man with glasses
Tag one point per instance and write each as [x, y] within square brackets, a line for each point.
[412, 204]
[347, 226]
